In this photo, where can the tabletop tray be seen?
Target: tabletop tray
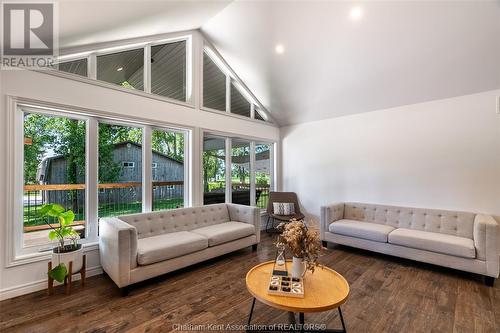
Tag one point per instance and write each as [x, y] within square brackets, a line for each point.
[286, 286]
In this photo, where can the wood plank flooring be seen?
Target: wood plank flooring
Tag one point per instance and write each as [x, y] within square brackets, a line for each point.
[387, 295]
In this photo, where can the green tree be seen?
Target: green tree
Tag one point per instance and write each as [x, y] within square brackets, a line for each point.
[38, 135]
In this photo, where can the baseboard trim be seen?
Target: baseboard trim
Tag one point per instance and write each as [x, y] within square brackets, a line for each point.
[30, 287]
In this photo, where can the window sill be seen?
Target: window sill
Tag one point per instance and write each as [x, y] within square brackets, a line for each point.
[45, 256]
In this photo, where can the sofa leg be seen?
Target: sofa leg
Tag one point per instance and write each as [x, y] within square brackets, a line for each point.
[124, 291]
[254, 247]
[489, 281]
[324, 243]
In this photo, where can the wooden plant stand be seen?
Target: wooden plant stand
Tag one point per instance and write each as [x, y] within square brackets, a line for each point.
[69, 278]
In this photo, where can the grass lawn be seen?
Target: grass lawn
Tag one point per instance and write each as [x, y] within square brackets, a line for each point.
[31, 217]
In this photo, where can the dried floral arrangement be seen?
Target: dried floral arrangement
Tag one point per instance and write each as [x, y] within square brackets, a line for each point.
[302, 242]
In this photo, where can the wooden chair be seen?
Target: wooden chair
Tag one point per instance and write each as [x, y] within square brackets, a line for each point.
[282, 197]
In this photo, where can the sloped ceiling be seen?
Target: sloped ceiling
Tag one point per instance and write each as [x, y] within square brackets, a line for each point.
[398, 53]
[83, 22]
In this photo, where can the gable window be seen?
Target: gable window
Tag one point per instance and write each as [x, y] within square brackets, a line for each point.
[125, 68]
[154, 165]
[214, 85]
[239, 104]
[258, 115]
[129, 165]
[169, 70]
[78, 67]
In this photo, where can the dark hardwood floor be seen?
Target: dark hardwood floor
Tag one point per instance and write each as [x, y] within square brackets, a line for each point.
[387, 295]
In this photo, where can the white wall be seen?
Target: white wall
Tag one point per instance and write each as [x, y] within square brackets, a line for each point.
[53, 89]
[439, 154]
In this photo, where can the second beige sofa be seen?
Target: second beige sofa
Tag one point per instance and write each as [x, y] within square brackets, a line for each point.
[460, 240]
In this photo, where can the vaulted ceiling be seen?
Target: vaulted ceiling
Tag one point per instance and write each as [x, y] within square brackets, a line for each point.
[396, 53]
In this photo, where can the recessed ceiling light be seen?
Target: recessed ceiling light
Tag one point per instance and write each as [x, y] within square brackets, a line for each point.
[356, 13]
[279, 48]
[119, 69]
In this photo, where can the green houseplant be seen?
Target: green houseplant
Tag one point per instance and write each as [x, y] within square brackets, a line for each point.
[64, 252]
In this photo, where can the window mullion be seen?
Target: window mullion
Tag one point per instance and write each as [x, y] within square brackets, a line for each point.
[228, 93]
[147, 174]
[92, 178]
[92, 67]
[147, 69]
[229, 178]
[252, 174]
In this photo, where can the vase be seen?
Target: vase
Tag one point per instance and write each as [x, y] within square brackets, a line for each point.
[298, 267]
[74, 255]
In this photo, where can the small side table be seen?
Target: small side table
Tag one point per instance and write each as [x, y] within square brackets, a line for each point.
[324, 290]
[69, 278]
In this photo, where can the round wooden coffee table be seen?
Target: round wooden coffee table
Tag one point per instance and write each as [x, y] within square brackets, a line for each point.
[324, 290]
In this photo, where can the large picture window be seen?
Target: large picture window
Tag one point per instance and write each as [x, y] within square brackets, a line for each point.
[214, 169]
[168, 169]
[54, 172]
[240, 171]
[263, 174]
[249, 168]
[120, 170]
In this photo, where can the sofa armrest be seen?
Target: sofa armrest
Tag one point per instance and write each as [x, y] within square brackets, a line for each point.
[486, 242]
[329, 214]
[117, 249]
[246, 214]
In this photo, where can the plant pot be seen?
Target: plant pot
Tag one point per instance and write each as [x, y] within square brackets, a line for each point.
[298, 267]
[68, 254]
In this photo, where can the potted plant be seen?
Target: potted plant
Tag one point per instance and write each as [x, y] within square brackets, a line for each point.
[304, 244]
[63, 232]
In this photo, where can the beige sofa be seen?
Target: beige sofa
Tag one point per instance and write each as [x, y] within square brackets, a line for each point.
[460, 240]
[137, 247]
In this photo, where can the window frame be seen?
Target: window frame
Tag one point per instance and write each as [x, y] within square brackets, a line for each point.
[15, 252]
[91, 57]
[228, 165]
[188, 176]
[230, 78]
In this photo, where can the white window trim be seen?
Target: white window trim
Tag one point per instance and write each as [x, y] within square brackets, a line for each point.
[146, 45]
[131, 166]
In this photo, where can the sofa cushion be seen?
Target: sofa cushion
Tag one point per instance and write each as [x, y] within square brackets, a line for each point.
[225, 232]
[167, 246]
[435, 242]
[176, 220]
[366, 230]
